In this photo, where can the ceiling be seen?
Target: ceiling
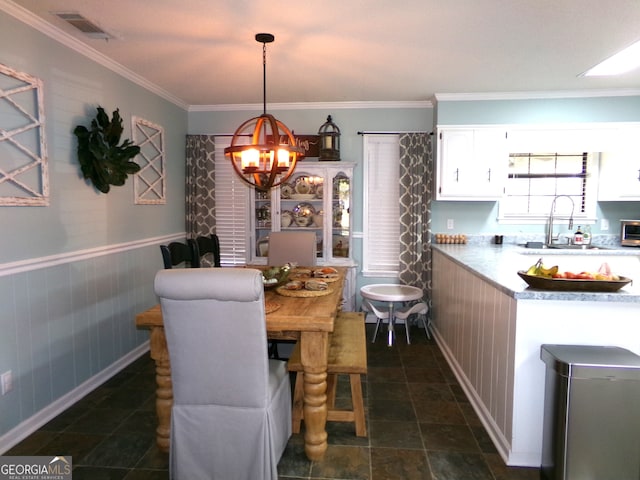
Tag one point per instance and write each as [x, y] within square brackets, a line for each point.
[203, 52]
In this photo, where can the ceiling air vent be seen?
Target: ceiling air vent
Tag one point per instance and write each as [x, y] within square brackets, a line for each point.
[87, 27]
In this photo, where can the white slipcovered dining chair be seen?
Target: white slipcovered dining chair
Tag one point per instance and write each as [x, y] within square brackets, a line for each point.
[292, 247]
[231, 414]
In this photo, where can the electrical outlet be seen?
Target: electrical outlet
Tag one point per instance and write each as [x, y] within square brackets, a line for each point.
[450, 224]
[7, 382]
[604, 224]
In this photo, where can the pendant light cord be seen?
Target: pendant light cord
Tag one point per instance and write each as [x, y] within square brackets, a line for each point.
[264, 78]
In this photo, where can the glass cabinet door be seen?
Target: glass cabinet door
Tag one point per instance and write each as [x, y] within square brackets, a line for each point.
[262, 221]
[341, 221]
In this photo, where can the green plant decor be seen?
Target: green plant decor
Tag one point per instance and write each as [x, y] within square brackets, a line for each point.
[101, 159]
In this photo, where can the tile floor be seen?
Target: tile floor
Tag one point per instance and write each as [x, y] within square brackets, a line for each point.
[420, 426]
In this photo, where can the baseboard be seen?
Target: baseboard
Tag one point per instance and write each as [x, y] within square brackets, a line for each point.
[26, 428]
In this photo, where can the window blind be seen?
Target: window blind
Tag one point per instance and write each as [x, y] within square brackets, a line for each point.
[381, 216]
[232, 207]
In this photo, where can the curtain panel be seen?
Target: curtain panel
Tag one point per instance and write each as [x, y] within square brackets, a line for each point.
[416, 173]
[200, 185]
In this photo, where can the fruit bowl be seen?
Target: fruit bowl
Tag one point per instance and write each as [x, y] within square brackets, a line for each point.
[573, 285]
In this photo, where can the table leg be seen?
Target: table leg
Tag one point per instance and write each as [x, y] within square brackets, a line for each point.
[314, 356]
[164, 392]
[391, 332]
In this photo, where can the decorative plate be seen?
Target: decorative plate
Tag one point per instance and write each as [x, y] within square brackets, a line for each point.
[303, 196]
[286, 218]
[303, 188]
[573, 285]
[303, 214]
[286, 191]
[262, 246]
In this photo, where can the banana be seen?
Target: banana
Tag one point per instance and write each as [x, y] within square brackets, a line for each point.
[548, 272]
[535, 268]
[539, 270]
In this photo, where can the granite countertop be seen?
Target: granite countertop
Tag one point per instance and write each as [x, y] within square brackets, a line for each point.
[498, 265]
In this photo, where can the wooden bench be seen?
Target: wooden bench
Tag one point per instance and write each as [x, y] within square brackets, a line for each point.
[347, 356]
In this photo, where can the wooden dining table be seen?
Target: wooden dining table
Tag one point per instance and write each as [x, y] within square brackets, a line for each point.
[306, 319]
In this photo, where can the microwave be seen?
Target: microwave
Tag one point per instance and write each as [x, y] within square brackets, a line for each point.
[630, 233]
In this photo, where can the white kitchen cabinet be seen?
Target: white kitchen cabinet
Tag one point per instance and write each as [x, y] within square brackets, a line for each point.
[472, 163]
[619, 178]
[316, 198]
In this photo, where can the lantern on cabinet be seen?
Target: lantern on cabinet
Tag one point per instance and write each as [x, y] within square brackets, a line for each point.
[329, 134]
[270, 157]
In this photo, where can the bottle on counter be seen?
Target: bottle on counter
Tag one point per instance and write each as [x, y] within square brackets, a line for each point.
[578, 237]
[586, 235]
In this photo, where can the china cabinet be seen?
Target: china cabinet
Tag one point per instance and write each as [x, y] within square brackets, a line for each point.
[317, 198]
[472, 163]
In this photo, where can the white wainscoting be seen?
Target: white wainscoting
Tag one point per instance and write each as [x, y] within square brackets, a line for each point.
[474, 324]
[67, 324]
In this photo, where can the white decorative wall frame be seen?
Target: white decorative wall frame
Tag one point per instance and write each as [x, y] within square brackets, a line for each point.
[149, 182]
[24, 174]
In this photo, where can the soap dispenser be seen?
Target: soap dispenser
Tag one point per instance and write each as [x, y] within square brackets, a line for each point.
[586, 235]
[578, 236]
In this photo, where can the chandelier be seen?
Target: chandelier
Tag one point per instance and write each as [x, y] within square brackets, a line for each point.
[270, 157]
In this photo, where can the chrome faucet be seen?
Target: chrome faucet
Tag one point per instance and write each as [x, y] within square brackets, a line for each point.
[550, 238]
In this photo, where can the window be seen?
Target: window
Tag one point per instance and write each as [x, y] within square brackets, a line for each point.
[535, 179]
[232, 205]
[381, 215]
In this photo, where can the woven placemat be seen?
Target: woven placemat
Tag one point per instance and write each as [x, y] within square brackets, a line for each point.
[270, 307]
[303, 293]
[304, 278]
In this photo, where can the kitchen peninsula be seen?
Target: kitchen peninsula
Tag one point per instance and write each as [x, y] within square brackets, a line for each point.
[490, 326]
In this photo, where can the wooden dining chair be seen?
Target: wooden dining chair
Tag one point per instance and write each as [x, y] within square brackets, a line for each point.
[208, 250]
[231, 413]
[178, 253]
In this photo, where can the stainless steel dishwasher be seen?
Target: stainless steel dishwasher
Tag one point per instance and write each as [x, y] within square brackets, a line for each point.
[591, 413]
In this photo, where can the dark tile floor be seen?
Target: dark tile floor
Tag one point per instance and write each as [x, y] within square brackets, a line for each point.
[420, 426]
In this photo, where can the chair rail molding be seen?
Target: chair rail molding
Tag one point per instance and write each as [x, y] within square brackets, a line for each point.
[38, 263]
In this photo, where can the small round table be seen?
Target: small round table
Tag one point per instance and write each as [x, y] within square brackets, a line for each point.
[391, 293]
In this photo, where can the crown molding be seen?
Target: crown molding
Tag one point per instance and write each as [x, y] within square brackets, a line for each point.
[465, 97]
[311, 106]
[32, 20]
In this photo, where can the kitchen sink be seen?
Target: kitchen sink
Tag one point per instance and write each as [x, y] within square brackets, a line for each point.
[575, 247]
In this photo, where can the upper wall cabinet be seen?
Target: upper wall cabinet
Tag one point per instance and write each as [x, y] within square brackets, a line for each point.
[472, 163]
[619, 178]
